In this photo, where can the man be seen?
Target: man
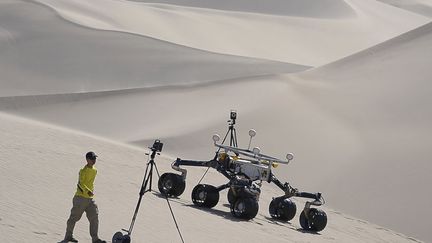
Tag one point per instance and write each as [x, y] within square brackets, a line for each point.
[83, 201]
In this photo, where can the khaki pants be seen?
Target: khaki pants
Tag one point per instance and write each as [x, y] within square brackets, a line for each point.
[81, 205]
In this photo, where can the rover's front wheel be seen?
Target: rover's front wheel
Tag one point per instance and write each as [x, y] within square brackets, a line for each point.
[316, 221]
[171, 185]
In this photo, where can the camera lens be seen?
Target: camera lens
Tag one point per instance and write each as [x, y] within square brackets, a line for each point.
[233, 114]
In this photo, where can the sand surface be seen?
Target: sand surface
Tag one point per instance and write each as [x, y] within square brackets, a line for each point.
[39, 168]
[344, 85]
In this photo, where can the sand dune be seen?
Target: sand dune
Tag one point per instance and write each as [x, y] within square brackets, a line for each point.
[385, 91]
[359, 127]
[147, 112]
[43, 54]
[305, 8]
[293, 39]
[37, 164]
[423, 7]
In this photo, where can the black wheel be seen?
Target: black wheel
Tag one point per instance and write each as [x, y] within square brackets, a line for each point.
[282, 208]
[171, 184]
[231, 197]
[117, 237]
[120, 238]
[245, 208]
[317, 220]
[204, 195]
[126, 239]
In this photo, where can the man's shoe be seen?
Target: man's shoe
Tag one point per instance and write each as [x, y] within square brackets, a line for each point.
[99, 241]
[70, 239]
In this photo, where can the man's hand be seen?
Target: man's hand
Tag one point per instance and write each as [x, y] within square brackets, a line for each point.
[90, 194]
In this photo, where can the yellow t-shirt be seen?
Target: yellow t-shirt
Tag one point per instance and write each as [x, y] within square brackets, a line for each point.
[87, 176]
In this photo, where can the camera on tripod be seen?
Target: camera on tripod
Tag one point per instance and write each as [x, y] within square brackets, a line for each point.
[157, 146]
[233, 115]
[146, 186]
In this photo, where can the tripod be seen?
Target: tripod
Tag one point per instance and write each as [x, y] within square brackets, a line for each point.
[233, 133]
[147, 181]
[233, 138]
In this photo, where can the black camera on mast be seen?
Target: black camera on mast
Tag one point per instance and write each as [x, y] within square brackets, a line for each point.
[233, 115]
[157, 146]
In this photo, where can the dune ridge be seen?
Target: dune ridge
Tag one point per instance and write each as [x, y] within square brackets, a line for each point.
[74, 55]
[422, 7]
[422, 32]
[322, 9]
[17, 102]
[306, 41]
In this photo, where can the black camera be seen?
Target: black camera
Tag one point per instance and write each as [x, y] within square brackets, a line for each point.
[233, 115]
[157, 146]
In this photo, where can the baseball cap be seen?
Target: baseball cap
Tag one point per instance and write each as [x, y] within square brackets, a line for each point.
[91, 155]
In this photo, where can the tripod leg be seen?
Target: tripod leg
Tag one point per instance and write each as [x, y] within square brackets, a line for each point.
[226, 135]
[141, 194]
[144, 184]
[150, 176]
[169, 205]
[235, 137]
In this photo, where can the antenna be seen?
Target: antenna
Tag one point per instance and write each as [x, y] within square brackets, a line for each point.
[252, 134]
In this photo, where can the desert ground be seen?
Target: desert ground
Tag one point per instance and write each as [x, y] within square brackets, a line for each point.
[343, 85]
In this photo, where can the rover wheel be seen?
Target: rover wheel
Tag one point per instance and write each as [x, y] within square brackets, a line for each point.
[204, 195]
[317, 220]
[120, 238]
[245, 208]
[231, 197]
[282, 208]
[171, 184]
